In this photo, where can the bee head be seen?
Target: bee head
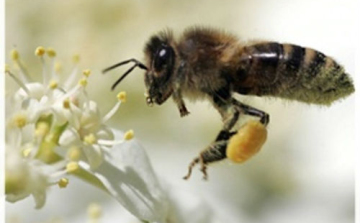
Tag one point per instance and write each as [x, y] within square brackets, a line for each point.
[160, 62]
[160, 59]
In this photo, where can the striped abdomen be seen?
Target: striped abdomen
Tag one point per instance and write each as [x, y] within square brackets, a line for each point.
[291, 72]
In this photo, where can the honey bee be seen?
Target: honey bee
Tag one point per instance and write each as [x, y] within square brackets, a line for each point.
[206, 63]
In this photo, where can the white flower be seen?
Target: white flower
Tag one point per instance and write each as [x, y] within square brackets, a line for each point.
[54, 129]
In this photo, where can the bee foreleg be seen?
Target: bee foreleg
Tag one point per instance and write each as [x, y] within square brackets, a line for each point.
[180, 102]
[246, 109]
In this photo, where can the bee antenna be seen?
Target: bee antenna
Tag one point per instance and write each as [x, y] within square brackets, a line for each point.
[137, 64]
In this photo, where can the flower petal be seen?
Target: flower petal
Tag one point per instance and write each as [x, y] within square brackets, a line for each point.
[69, 137]
[94, 156]
[129, 177]
[105, 133]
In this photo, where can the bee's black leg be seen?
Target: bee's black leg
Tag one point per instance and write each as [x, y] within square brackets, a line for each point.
[191, 165]
[177, 96]
[177, 83]
[216, 151]
[246, 109]
[230, 110]
[222, 101]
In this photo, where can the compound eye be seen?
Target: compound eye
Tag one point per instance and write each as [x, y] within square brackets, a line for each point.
[161, 58]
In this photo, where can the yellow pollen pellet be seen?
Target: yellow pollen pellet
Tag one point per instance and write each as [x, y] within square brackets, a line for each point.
[87, 72]
[40, 51]
[246, 142]
[26, 152]
[57, 67]
[72, 167]
[83, 82]
[122, 96]
[66, 103]
[63, 182]
[90, 139]
[74, 153]
[42, 129]
[129, 134]
[51, 52]
[53, 84]
[14, 54]
[94, 211]
[20, 120]
[76, 58]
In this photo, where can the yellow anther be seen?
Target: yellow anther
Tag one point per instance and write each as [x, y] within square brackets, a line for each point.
[129, 134]
[26, 152]
[14, 54]
[90, 139]
[94, 211]
[63, 182]
[76, 58]
[42, 128]
[66, 103]
[87, 72]
[122, 96]
[40, 51]
[57, 67]
[74, 153]
[51, 52]
[72, 167]
[53, 84]
[83, 82]
[20, 120]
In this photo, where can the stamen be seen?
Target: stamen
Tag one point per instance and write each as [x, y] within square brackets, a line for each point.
[42, 129]
[53, 84]
[66, 103]
[14, 54]
[19, 82]
[72, 167]
[87, 72]
[63, 182]
[74, 153]
[122, 98]
[105, 142]
[83, 82]
[40, 51]
[20, 120]
[90, 139]
[129, 135]
[72, 77]
[51, 52]
[57, 67]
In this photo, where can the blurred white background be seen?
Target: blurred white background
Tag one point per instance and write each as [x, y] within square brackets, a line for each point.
[305, 171]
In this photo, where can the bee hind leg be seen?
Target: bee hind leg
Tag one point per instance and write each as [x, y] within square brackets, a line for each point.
[216, 151]
[248, 110]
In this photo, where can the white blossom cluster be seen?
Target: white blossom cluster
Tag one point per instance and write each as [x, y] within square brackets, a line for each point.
[54, 130]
